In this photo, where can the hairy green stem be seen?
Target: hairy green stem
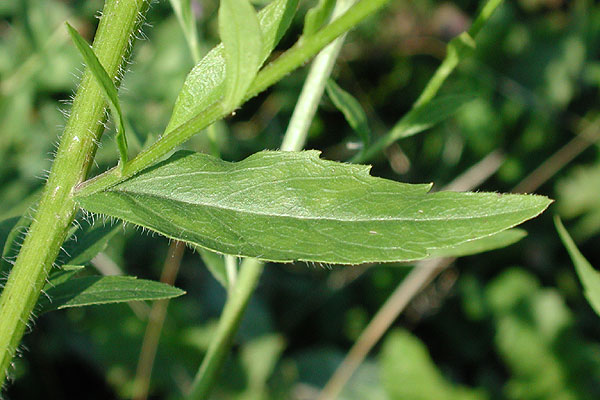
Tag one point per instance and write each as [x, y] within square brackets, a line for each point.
[303, 50]
[251, 269]
[73, 160]
[237, 301]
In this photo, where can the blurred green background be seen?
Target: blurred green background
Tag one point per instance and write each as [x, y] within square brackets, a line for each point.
[511, 324]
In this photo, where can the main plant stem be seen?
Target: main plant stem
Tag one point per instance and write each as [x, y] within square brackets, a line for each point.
[74, 157]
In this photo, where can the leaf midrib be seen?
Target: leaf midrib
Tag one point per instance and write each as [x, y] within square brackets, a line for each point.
[321, 218]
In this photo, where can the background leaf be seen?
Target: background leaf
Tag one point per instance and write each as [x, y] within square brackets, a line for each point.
[590, 277]
[242, 40]
[6, 226]
[215, 263]
[12, 231]
[534, 335]
[317, 16]
[409, 373]
[352, 110]
[204, 85]
[578, 195]
[287, 206]
[94, 290]
[417, 120]
[62, 275]
[85, 244]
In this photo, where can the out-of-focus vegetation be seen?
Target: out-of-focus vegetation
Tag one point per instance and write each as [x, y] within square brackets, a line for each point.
[509, 324]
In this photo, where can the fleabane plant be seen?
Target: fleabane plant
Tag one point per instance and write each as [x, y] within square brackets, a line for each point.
[275, 205]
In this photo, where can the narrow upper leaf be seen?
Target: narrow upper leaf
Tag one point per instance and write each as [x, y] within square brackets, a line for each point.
[417, 120]
[62, 275]
[215, 263]
[590, 277]
[352, 110]
[106, 84]
[317, 16]
[91, 290]
[205, 84]
[286, 206]
[424, 117]
[242, 40]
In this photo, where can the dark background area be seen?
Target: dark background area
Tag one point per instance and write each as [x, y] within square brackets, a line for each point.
[509, 324]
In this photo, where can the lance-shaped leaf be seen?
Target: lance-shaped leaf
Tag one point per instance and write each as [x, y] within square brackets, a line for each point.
[62, 275]
[92, 290]
[6, 232]
[417, 120]
[285, 206]
[242, 40]
[589, 277]
[317, 16]
[352, 110]
[106, 84]
[205, 84]
[215, 263]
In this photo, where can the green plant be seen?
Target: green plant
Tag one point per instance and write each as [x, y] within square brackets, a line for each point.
[276, 206]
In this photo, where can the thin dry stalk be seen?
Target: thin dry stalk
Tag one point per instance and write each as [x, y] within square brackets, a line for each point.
[156, 321]
[557, 161]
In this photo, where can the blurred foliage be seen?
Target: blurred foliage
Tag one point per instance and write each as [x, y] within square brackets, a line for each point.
[481, 331]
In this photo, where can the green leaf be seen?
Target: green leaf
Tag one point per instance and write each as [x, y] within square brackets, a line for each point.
[242, 40]
[93, 290]
[215, 263]
[317, 16]
[408, 372]
[417, 120]
[259, 358]
[6, 227]
[12, 231]
[86, 243]
[205, 84]
[578, 195]
[488, 243]
[187, 21]
[590, 278]
[285, 206]
[352, 110]
[62, 275]
[106, 84]
[424, 117]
